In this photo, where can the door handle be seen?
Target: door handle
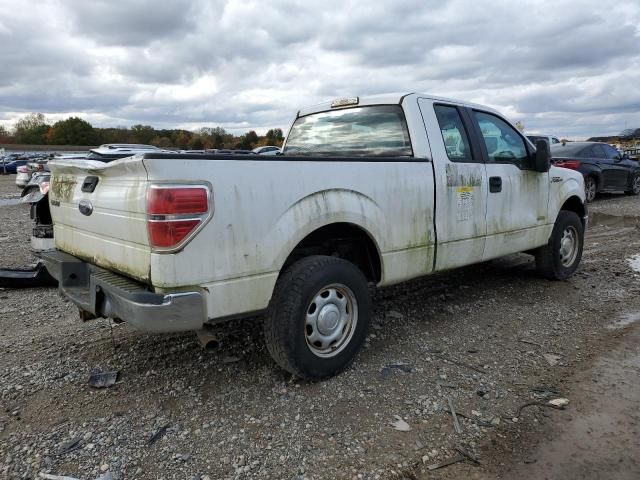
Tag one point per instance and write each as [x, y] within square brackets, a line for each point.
[495, 184]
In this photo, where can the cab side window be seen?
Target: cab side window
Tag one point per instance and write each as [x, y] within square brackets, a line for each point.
[554, 140]
[611, 152]
[504, 144]
[454, 135]
[598, 151]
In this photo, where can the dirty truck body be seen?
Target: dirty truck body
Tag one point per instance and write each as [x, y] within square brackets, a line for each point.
[370, 190]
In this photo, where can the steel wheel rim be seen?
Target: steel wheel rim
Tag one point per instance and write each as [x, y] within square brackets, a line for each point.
[636, 185]
[569, 246]
[330, 320]
[590, 189]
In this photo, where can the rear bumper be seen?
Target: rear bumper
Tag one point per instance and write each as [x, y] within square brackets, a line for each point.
[102, 293]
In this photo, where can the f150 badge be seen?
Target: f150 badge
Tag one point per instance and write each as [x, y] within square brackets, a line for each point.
[85, 207]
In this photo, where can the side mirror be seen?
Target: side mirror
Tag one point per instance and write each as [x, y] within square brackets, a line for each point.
[542, 157]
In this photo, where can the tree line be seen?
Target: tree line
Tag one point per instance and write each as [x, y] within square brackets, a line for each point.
[33, 129]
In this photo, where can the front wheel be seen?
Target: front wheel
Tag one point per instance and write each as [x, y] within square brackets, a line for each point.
[635, 186]
[559, 259]
[318, 317]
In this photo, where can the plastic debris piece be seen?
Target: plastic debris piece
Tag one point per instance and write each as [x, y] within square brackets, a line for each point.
[156, 436]
[551, 358]
[103, 379]
[559, 402]
[401, 425]
[48, 476]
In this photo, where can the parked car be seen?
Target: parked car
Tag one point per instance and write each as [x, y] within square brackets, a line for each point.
[25, 172]
[603, 167]
[170, 242]
[551, 140]
[267, 150]
[23, 176]
[11, 167]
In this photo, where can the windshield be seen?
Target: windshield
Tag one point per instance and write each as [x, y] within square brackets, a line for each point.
[379, 130]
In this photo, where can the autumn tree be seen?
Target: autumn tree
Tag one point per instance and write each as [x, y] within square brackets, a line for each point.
[274, 136]
[5, 136]
[72, 131]
[161, 142]
[143, 133]
[196, 143]
[247, 141]
[31, 129]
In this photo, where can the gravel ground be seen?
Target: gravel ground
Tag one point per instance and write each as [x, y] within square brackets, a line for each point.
[486, 339]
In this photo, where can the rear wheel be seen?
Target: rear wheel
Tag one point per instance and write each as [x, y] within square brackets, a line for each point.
[318, 317]
[635, 186]
[590, 188]
[559, 259]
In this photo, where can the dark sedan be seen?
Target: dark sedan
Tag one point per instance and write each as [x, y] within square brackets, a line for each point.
[12, 166]
[604, 168]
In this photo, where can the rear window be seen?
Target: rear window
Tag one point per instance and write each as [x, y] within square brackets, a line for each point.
[570, 150]
[379, 130]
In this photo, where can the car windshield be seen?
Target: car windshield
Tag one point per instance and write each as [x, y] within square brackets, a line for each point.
[379, 130]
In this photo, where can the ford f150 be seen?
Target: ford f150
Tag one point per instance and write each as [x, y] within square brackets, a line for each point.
[374, 190]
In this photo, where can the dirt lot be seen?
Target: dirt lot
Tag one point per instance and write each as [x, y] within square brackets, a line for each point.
[487, 339]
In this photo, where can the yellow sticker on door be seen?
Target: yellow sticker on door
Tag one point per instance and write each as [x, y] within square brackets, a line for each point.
[464, 206]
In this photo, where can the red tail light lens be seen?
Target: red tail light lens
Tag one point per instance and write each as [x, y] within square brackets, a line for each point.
[572, 164]
[22, 169]
[174, 213]
[177, 201]
[167, 234]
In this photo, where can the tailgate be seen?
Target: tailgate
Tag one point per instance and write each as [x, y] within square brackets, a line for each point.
[106, 226]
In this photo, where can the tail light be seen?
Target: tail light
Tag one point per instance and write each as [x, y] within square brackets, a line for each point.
[572, 164]
[22, 169]
[44, 188]
[175, 214]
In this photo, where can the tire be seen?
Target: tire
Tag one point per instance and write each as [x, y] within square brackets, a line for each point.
[635, 186]
[558, 260]
[590, 188]
[316, 299]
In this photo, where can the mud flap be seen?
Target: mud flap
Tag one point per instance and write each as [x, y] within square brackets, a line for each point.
[35, 276]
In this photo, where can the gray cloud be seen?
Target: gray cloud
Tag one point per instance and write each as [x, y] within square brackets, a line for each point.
[563, 67]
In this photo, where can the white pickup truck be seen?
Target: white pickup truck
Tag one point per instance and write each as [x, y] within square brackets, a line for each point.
[374, 190]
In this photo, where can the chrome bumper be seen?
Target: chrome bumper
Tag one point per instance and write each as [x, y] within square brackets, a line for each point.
[100, 293]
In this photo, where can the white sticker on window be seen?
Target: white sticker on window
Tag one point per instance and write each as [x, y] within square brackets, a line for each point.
[464, 207]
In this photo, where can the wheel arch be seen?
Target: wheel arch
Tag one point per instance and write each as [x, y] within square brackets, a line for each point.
[576, 205]
[344, 239]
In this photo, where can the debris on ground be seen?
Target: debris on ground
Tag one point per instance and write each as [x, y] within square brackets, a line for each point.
[559, 402]
[33, 276]
[456, 424]
[71, 445]
[399, 366]
[551, 358]
[157, 435]
[103, 379]
[231, 359]
[48, 476]
[400, 425]
[446, 463]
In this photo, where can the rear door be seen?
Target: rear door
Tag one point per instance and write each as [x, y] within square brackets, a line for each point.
[460, 185]
[518, 195]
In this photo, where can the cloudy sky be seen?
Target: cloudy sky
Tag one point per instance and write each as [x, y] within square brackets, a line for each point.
[569, 68]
